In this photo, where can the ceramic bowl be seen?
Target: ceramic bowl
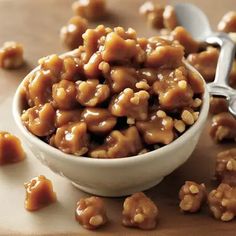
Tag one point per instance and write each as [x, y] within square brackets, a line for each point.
[121, 176]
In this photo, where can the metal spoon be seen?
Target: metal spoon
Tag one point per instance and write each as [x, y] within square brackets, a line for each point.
[196, 23]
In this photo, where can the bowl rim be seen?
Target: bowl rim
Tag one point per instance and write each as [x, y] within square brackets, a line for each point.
[56, 153]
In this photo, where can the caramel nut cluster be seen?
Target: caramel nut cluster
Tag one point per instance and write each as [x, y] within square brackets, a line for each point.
[71, 138]
[119, 144]
[11, 150]
[114, 96]
[90, 93]
[222, 202]
[39, 193]
[130, 104]
[192, 196]
[140, 211]
[158, 16]
[218, 105]
[205, 62]
[91, 212]
[40, 120]
[71, 34]
[158, 129]
[90, 9]
[226, 167]
[223, 127]
[228, 22]
[11, 55]
[64, 95]
[174, 91]
[64, 117]
[184, 38]
[98, 120]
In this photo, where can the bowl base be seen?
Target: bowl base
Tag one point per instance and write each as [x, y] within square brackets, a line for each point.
[118, 193]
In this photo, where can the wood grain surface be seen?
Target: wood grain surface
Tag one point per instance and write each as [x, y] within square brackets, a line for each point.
[36, 24]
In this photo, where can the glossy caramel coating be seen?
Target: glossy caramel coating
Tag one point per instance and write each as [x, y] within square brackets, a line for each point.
[71, 34]
[228, 22]
[39, 193]
[119, 144]
[205, 62]
[98, 120]
[91, 212]
[100, 97]
[223, 127]
[222, 202]
[140, 211]
[90, 9]
[192, 196]
[11, 55]
[11, 150]
[190, 45]
[226, 167]
[71, 138]
[40, 120]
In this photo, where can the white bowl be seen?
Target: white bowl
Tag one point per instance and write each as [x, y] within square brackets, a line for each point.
[121, 176]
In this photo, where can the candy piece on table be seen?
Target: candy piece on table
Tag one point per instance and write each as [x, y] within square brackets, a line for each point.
[140, 211]
[11, 150]
[192, 196]
[11, 55]
[39, 193]
[91, 212]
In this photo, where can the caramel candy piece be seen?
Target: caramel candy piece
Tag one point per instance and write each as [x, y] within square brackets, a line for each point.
[196, 83]
[122, 77]
[64, 94]
[169, 18]
[205, 62]
[158, 129]
[71, 138]
[140, 211]
[130, 104]
[153, 13]
[223, 127]
[40, 87]
[228, 22]
[64, 117]
[119, 144]
[98, 120]
[118, 49]
[92, 40]
[91, 68]
[148, 74]
[91, 212]
[11, 150]
[71, 34]
[185, 39]
[90, 9]
[39, 193]
[222, 202]
[68, 68]
[40, 120]
[218, 105]
[53, 63]
[173, 89]
[164, 53]
[226, 167]
[90, 93]
[11, 55]
[192, 196]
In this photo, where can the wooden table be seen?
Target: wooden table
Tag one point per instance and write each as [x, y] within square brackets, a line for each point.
[36, 24]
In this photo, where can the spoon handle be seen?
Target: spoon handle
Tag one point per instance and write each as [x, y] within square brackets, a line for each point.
[220, 86]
